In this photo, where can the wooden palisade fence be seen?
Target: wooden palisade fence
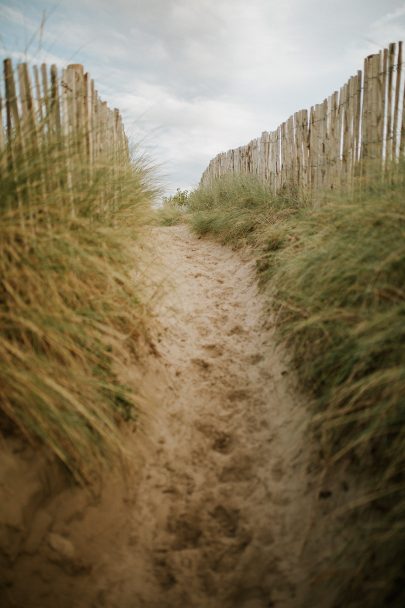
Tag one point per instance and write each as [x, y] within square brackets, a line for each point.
[354, 131]
[40, 108]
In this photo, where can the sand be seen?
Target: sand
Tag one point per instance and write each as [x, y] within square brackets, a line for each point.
[214, 509]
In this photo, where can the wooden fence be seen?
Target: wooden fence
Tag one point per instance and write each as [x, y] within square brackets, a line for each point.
[39, 107]
[358, 130]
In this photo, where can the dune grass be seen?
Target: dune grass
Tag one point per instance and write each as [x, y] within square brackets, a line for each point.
[173, 210]
[335, 276]
[235, 207]
[169, 215]
[70, 310]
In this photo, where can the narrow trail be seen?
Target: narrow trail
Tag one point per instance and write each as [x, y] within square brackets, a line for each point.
[219, 511]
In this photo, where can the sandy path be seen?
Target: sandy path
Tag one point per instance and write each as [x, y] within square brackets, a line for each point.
[217, 516]
[221, 509]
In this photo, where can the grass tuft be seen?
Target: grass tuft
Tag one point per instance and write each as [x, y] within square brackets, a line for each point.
[234, 208]
[173, 210]
[70, 310]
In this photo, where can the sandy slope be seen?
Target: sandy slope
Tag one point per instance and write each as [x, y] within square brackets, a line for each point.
[218, 515]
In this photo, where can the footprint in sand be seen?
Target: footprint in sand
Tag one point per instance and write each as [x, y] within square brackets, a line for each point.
[221, 442]
[164, 574]
[255, 358]
[221, 320]
[239, 470]
[238, 395]
[226, 519]
[226, 559]
[236, 330]
[186, 532]
[277, 471]
[252, 596]
[215, 350]
[201, 363]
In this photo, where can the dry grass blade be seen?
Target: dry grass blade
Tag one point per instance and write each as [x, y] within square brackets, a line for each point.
[70, 310]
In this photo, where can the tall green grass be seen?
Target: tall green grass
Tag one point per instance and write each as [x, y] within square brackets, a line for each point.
[234, 208]
[71, 312]
[335, 277]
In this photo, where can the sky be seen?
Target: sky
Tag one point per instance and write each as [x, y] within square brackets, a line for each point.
[193, 78]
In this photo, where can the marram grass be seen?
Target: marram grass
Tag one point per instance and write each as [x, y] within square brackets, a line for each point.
[339, 294]
[235, 207]
[169, 215]
[335, 276]
[70, 310]
[173, 209]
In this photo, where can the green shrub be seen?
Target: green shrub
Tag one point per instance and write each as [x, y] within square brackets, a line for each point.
[174, 209]
[180, 199]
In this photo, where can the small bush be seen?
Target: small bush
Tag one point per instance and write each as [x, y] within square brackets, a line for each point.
[180, 199]
[174, 209]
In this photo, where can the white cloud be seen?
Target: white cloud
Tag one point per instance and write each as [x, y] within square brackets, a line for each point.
[195, 77]
[8, 13]
[390, 17]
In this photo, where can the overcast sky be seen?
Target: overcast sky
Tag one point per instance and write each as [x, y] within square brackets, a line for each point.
[196, 77]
